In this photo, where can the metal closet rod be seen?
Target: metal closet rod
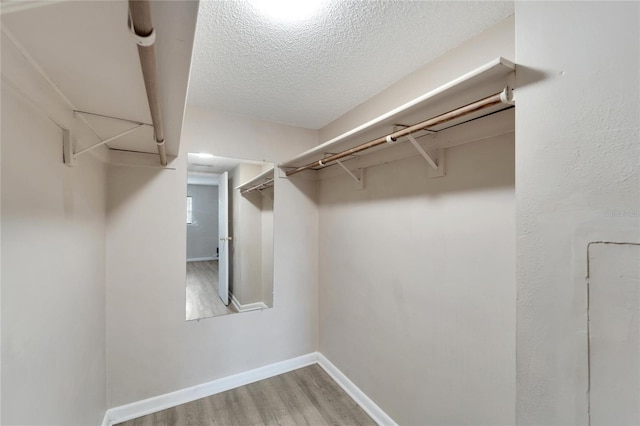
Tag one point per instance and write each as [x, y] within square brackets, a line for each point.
[259, 186]
[501, 97]
[142, 26]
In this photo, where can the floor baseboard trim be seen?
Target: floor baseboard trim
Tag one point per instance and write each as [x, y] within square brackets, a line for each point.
[172, 399]
[257, 306]
[200, 259]
[162, 402]
[370, 407]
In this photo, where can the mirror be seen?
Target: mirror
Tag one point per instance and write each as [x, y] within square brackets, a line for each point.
[229, 236]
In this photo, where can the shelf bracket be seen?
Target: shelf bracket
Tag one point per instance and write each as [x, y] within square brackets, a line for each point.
[507, 96]
[359, 180]
[435, 159]
[264, 194]
[67, 148]
[81, 113]
[70, 157]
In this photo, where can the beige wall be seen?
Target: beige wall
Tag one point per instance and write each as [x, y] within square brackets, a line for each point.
[53, 284]
[417, 304]
[267, 246]
[151, 348]
[417, 281]
[416, 291]
[252, 240]
[246, 246]
[577, 180]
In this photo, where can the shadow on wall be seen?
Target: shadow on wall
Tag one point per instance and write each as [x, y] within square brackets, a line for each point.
[478, 166]
[304, 183]
[118, 195]
[526, 75]
[255, 197]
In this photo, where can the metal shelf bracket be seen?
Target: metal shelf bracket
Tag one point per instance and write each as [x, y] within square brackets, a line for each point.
[359, 179]
[264, 194]
[435, 159]
[70, 157]
[67, 149]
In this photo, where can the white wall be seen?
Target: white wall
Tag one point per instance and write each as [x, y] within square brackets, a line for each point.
[614, 330]
[417, 282]
[151, 348]
[202, 233]
[53, 284]
[577, 181]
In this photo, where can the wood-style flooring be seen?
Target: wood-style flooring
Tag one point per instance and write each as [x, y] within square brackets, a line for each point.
[202, 291]
[307, 396]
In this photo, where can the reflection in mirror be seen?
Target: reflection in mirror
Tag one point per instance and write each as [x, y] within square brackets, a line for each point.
[229, 236]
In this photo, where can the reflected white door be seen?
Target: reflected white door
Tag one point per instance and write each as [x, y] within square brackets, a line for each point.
[225, 238]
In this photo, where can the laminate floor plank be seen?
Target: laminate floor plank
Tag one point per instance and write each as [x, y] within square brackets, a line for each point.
[331, 409]
[210, 418]
[142, 421]
[307, 396]
[289, 400]
[223, 408]
[318, 401]
[247, 406]
[272, 409]
[202, 300]
[176, 416]
[158, 419]
[299, 402]
[334, 402]
[194, 414]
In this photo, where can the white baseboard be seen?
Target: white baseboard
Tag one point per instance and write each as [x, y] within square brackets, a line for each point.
[200, 259]
[370, 407]
[162, 402]
[248, 307]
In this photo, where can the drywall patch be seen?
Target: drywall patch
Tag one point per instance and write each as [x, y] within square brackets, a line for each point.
[613, 327]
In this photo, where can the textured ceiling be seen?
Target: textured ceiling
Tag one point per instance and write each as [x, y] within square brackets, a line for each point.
[310, 72]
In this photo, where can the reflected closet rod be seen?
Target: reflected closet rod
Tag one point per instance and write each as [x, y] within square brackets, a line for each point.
[259, 186]
[502, 97]
[142, 31]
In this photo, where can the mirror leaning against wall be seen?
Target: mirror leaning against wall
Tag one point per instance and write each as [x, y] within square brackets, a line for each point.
[229, 236]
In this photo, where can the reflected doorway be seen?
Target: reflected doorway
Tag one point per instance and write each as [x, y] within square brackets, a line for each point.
[229, 253]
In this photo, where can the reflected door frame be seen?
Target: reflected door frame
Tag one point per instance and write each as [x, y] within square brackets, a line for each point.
[224, 238]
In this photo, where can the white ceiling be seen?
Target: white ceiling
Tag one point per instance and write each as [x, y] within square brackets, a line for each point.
[308, 73]
[212, 179]
[85, 49]
[206, 163]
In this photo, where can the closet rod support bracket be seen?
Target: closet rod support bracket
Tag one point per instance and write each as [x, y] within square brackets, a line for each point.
[68, 156]
[507, 96]
[264, 194]
[438, 156]
[435, 158]
[359, 179]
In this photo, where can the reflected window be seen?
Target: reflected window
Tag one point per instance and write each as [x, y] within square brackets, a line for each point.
[189, 210]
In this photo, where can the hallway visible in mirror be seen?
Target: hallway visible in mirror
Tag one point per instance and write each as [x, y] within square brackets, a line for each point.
[229, 219]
